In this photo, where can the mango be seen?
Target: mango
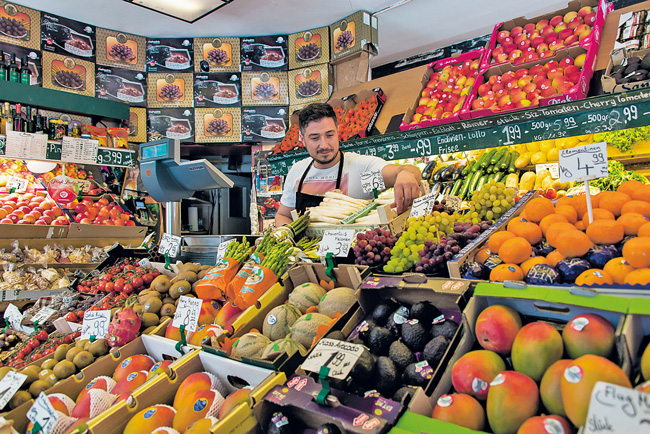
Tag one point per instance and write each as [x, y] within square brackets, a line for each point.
[174, 333]
[549, 387]
[473, 372]
[103, 383]
[227, 315]
[209, 309]
[61, 402]
[536, 347]
[93, 403]
[643, 387]
[545, 425]
[192, 384]
[512, 399]
[159, 368]
[206, 403]
[588, 333]
[135, 363]
[128, 384]
[496, 328]
[233, 400]
[202, 426]
[204, 333]
[150, 418]
[645, 363]
[460, 409]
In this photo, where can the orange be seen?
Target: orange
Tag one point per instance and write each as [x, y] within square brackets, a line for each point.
[573, 244]
[642, 193]
[538, 208]
[580, 226]
[550, 219]
[636, 252]
[482, 255]
[644, 230]
[503, 272]
[513, 222]
[613, 201]
[629, 187]
[554, 257]
[631, 222]
[618, 268]
[530, 231]
[555, 229]
[565, 200]
[567, 211]
[638, 277]
[594, 276]
[498, 238]
[523, 215]
[528, 263]
[580, 204]
[638, 206]
[599, 214]
[605, 232]
[515, 250]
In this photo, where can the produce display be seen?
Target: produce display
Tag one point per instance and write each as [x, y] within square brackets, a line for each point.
[30, 209]
[353, 121]
[631, 70]
[10, 168]
[100, 212]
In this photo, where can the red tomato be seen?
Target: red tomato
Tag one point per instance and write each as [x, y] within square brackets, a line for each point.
[72, 317]
[128, 288]
[42, 335]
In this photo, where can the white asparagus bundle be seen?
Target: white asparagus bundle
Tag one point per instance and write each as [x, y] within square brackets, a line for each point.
[320, 218]
[336, 194]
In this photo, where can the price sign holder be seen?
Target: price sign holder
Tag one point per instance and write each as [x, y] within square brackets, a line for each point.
[187, 313]
[338, 356]
[9, 385]
[95, 324]
[617, 410]
[372, 181]
[423, 205]
[584, 163]
[170, 245]
[554, 168]
[17, 185]
[223, 246]
[42, 316]
[336, 242]
[42, 415]
[13, 317]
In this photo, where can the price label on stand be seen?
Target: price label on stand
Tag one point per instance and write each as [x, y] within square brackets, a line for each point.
[170, 244]
[617, 410]
[583, 163]
[95, 324]
[372, 180]
[423, 205]
[84, 186]
[454, 202]
[187, 313]
[19, 184]
[336, 242]
[42, 315]
[13, 317]
[223, 246]
[339, 356]
[42, 414]
[9, 385]
[554, 168]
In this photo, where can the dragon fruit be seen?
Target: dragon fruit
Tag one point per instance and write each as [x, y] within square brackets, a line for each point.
[124, 327]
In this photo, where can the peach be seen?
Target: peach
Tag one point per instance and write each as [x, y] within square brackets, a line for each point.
[512, 399]
[549, 387]
[135, 363]
[460, 409]
[542, 424]
[588, 333]
[473, 372]
[192, 384]
[497, 326]
[536, 347]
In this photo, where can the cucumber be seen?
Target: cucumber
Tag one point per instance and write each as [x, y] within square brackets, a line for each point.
[468, 168]
[511, 166]
[466, 184]
[504, 162]
[497, 156]
[472, 186]
[499, 176]
[481, 182]
[457, 186]
[488, 158]
[479, 162]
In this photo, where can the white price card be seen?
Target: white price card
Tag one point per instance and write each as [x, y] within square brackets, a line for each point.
[337, 242]
[221, 250]
[26, 145]
[84, 185]
[19, 184]
[454, 202]
[143, 262]
[583, 163]
[187, 313]
[71, 149]
[95, 324]
[42, 414]
[89, 151]
[423, 205]
[617, 410]
[9, 385]
[371, 180]
[42, 315]
[13, 317]
[170, 244]
[554, 168]
[339, 356]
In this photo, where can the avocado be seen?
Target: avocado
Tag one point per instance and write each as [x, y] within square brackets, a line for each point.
[618, 69]
[328, 428]
[435, 349]
[379, 341]
[386, 376]
[383, 310]
[631, 68]
[414, 335]
[365, 328]
[418, 374]
[425, 312]
[400, 355]
[395, 321]
[404, 394]
[364, 367]
[447, 328]
[336, 334]
[279, 424]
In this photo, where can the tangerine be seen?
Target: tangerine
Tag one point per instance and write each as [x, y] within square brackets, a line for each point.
[515, 250]
[482, 255]
[638, 277]
[550, 219]
[565, 200]
[529, 263]
[598, 214]
[636, 252]
[613, 201]
[498, 238]
[529, 231]
[513, 222]
[555, 229]
[637, 206]
[567, 211]
[594, 276]
[538, 208]
[629, 187]
[503, 272]
[632, 222]
[642, 193]
[581, 204]
[644, 230]
[573, 244]
[605, 232]
[618, 268]
[554, 257]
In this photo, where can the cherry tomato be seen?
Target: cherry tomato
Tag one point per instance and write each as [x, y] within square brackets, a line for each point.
[110, 287]
[42, 335]
[148, 278]
[119, 285]
[137, 282]
[107, 277]
[67, 339]
[129, 267]
[72, 317]
[128, 288]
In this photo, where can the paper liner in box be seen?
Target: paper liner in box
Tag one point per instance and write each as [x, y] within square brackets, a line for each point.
[244, 272]
[213, 285]
[260, 280]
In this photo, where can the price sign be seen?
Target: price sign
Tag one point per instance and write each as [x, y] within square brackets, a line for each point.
[187, 313]
[13, 317]
[9, 385]
[372, 180]
[454, 202]
[95, 323]
[617, 410]
[84, 185]
[223, 246]
[170, 244]
[42, 414]
[71, 149]
[583, 163]
[554, 168]
[423, 205]
[143, 262]
[336, 242]
[339, 356]
[42, 315]
[19, 184]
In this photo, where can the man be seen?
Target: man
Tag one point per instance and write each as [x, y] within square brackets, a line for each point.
[328, 168]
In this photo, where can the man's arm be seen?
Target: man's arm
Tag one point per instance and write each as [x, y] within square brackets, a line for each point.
[405, 179]
[283, 216]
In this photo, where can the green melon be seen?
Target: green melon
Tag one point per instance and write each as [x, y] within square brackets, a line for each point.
[286, 345]
[338, 300]
[304, 330]
[250, 345]
[306, 296]
[278, 322]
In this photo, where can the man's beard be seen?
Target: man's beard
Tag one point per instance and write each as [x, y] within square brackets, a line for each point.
[324, 162]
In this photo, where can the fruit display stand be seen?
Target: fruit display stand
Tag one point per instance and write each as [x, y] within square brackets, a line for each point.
[80, 230]
[619, 60]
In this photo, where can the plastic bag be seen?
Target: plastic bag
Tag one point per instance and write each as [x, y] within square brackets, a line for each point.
[260, 280]
[214, 283]
[244, 272]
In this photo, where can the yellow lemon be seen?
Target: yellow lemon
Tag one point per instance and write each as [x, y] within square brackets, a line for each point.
[538, 158]
[553, 155]
[545, 145]
[532, 146]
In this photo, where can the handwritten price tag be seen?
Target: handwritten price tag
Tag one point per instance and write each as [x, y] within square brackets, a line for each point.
[19, 184]
[617, 410]
[9, 385]
[187, 313]
[95, 323]
[423, 205]
[42, 315]
[372, 180]
[42, 414]
[339, 356]
[223, 246]
[454, 202]
[554, 168]
[170, 244]
[13, 317]
[583, 163]
[336, 242]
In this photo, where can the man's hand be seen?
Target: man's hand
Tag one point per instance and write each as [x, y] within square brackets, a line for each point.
[405, 179]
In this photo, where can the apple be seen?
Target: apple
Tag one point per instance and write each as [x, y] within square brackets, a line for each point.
[523, 44]
[556, 20]
[521, 73]
[573, 39]
[525, 81]
[537, 41]
[584, 11]
[13, 217]
[478, 104]
[523, 103]
[564, 34]
[532, 57]
[590, 19]
[39, 222]
[494, 79]
[555, 45]
[509, 75]
[529, 28]
[505, 99]
[574, 77]
[490, 101]
[517, 96]
[509, 48]
[557, 80]
[577, 21]
[6, 221]
[550, 37]
[536, 69]
[545, 93]
[548, 30]
[579, 61]
[564, 87]
[500, 85]
[541, 24]
[510, 84]
[533, 95]
[516, 31]
[555, 72]
[584, 34]
[569, 16]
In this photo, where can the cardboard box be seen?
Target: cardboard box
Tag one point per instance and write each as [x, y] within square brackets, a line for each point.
[173, 123]
[124, 85]
[265, 88]
[342, 107]
[25, 25]
[309, 85]
[170, 90]
[386, 221]
[32, 231]
[170, 55]
[122, 50]
[67, 37]
[68, 74]
[137, 125]
[308, 48]
[264, 123]
[476, 57]
[217, 89]
[264, 53]
[351, 71]
[216, 54]
[357, 32]
[218, 125]
[617, 57]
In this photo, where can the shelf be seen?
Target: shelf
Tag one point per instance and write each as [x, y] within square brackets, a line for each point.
[62, 101]
[587, 116]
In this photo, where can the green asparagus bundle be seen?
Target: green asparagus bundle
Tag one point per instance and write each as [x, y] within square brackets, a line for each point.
[305, 244]
[267, 242]
[278, 258]
[237, 250]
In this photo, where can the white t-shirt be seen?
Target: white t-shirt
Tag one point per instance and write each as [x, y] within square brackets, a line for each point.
[320, 181]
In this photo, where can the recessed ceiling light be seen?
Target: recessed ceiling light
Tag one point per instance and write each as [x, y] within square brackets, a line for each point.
[186, 10]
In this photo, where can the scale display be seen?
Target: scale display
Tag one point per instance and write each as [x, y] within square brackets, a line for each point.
[156, 151]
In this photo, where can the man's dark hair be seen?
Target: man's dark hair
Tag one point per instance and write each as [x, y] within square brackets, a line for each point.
[315, 112]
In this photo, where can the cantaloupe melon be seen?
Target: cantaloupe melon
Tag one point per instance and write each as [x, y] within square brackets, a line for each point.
[338, 300]
[305, 329]
[250, 345]
[306, 296]
[285, 345]
[279, 320]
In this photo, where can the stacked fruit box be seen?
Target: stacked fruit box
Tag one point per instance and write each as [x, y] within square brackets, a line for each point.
[357, 113]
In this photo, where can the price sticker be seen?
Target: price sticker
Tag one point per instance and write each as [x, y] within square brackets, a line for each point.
[339, 356]
[372, 180]
[423, 205]
[143, 262]
[617, 410]
[19, 184]
[95, 323]
[336, 242]
[170, 244]
[42, 315]
[223, 246]
[583, 163]
[554, 168]
[13, 317]
[187, 313]
[42, 414]
[9, 385]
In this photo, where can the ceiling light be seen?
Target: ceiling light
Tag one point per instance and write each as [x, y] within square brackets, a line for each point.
[186, 10]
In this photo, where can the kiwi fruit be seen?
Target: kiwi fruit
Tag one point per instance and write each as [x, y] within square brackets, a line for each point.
[168, 300]
[37, 387]
[153, 305]
[72, 352]
[148, 330]
[82, 344]
[49, 364]
[83, 359]
[161, 284]
[190, 276]
[138, 309]
[64, 369]
[149, 319]
[182, 287]
[32, 374]
[50, 378]
[201, 274]
[99, 348]
[168, 309]
[61, 351]
[44, 373]
[19, 398]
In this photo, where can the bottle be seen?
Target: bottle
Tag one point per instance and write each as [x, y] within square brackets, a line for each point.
[38, 128]
[13, 73]
[25, 72]
[29, 122]
[3, 66]
[18, 119]
[9, 124]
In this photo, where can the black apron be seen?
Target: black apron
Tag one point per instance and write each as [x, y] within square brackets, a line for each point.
[304, 200]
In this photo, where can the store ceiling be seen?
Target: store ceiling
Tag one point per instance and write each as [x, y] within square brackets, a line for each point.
[414, 27]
